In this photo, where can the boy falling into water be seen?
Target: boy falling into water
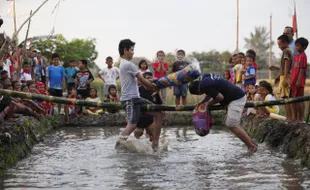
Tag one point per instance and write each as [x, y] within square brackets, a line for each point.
[130, 97]
[298, 78]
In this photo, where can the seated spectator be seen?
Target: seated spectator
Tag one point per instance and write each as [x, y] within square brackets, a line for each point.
[32, 87]
[16, 86]
[226, 75]
[70, 109]
[146, 121]
[113, 97]
[93, 97]
[48, 107]
[6, 81]
[4, 74]
[26, 73]
[266, 92]
[250, 92]
[24, 88]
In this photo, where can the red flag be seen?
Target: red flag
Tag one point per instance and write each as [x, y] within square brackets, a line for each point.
[294, 19]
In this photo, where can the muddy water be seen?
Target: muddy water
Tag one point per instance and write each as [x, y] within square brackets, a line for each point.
[84, 158]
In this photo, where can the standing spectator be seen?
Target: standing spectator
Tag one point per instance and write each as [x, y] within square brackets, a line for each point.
[40, 68]
[284, 76]
[70, 72]
[143, 66]
[289, 31]
[109, 75]
[82, 79]
[232, 64]
[253, 53]
[298, 79]
[238, 70]
[180, 90]
[7, 64]
[56, 78]
[160, 69]
[250, 74]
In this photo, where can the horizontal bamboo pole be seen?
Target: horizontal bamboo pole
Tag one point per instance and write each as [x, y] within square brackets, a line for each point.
[39, 97]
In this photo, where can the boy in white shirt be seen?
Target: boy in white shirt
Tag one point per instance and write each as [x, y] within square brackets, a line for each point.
[109, 75]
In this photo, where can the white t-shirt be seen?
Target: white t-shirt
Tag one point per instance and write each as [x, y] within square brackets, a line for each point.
[109, 75]
[6, 66]
[25, 76]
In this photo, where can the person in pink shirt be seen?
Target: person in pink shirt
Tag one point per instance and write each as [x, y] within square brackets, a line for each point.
[160, 69]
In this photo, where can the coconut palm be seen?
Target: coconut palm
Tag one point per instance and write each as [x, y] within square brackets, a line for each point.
[259, 42]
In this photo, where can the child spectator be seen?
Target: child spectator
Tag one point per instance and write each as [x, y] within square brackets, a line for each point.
[32, 88]
[26, 73]
[7, 64]
[160, 69]
[298, 77]
[71, 109]
[266, 92]
[238, 70]
[4, 74]
[145, 121]
[180, 90]
[253, 53]
[48, 107]
[226, 75]
[232, 64]
[112, 98]
[143, 66]
[70, 72]
[6, 81]
[93, 97]
[82, 79]
[250, 74]
[283, 90]
[16, 86]
[250, 92]
[56, 79]
[109, 75]
[24, 88]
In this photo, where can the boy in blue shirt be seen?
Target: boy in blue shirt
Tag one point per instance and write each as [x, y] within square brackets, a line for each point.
[250, 74]
[70, 72]
[56, 78]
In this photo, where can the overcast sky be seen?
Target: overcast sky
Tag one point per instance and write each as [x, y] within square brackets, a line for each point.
[194, 25]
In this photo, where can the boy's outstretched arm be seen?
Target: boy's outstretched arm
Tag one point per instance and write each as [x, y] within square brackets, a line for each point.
[146, 82]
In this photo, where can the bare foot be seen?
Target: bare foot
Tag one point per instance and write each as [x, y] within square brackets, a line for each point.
[252, 149]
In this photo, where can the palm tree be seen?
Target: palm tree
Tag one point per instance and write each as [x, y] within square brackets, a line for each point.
[259, 42]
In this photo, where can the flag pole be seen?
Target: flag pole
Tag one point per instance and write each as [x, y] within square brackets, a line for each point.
[14, 15]
[295, 19]
[270, 47]
[237, 39]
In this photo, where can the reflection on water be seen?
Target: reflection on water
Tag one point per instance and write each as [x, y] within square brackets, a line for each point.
[84, 158]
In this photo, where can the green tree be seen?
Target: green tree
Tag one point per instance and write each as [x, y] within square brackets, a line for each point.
[74, 49]
[259, 42]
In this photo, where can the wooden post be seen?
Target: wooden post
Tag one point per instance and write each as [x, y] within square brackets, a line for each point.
[237, 39]
[270, 47]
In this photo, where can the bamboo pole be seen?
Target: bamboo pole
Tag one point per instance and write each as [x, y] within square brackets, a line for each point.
[237, 39]
[31, 16]
[25, 42]
[39, 97]
[270, 47]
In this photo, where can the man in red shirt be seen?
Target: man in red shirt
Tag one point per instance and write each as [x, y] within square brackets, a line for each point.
[160, 69]
[298, 77]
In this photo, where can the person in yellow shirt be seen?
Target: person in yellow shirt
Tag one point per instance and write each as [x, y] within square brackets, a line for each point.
[238, 70]
[266, 92]
[93, 97]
